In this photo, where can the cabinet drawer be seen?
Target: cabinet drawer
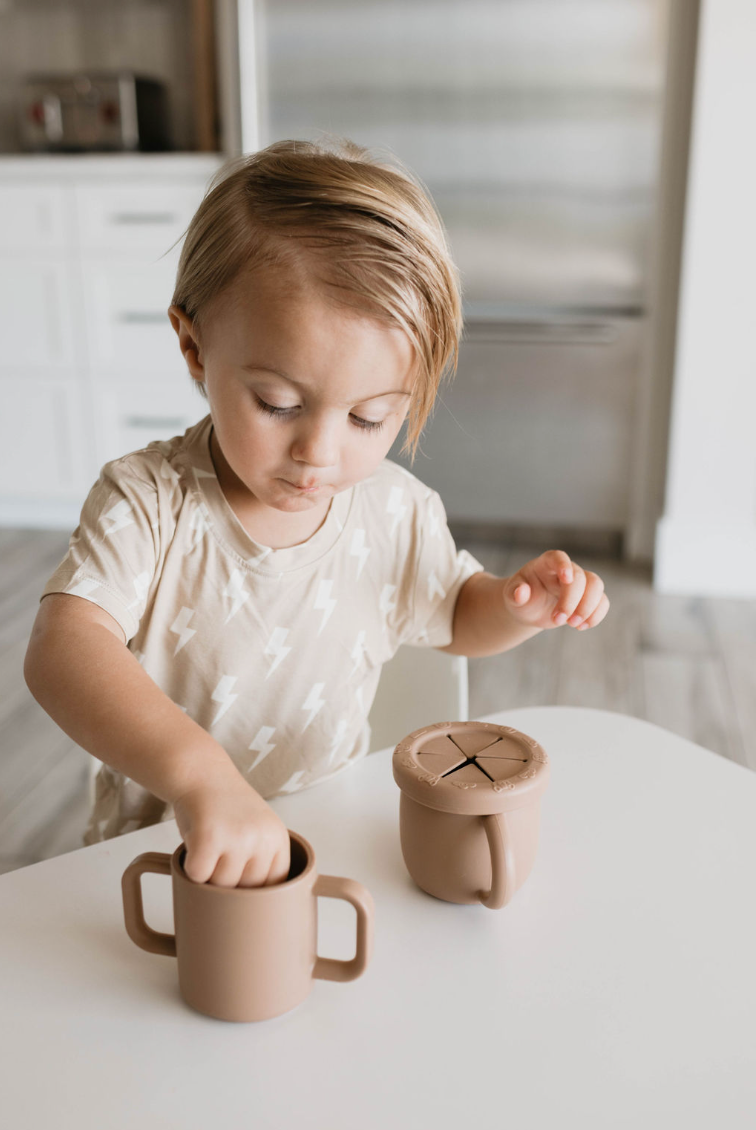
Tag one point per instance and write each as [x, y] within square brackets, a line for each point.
[35, 218]
[127, 317]
[130, 414]
[43, 454]
[36, 312]
[135, 217]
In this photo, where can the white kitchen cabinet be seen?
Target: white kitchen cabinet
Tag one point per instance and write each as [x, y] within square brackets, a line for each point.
[36, 312]
[90, 367]
[44, 442]
[129, 414]
[144, 217]
[127, 316]
[34, 217]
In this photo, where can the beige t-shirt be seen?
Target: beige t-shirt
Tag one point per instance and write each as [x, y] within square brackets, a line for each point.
[275, 652]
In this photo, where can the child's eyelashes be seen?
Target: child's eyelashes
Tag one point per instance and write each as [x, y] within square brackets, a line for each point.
[285, 413]
[367, 425]
[271, 409]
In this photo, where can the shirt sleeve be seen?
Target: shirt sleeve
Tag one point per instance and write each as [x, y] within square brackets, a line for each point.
[113, 552]
[440, 572]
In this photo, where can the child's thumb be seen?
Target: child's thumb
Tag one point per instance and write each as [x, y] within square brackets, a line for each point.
[518, 591]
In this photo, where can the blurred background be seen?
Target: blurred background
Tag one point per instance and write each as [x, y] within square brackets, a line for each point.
[591, 162]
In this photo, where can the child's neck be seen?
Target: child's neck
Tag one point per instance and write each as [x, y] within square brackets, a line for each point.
[278, 531]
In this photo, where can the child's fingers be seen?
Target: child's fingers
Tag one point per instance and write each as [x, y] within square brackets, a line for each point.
[597, 616]
[594, 590]
[247, 870]
[279, 868]
[560, 565]
[229, 871]
[570, 596]
[200, 866]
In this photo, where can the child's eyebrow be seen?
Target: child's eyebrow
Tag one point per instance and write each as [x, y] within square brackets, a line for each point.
[287, 377]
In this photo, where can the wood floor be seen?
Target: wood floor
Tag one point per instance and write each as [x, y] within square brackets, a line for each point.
[684, 663]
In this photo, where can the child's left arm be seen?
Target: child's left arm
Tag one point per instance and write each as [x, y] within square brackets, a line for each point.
[494, 614]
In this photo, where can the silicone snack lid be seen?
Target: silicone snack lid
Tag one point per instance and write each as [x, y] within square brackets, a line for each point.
[473, 768]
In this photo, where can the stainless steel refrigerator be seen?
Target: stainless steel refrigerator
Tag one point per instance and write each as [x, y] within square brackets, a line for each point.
[535, 124]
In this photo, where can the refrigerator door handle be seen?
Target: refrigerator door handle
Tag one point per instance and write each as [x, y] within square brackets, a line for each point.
[539, 331]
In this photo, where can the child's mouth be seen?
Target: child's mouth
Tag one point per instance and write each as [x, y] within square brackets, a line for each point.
[304, 488]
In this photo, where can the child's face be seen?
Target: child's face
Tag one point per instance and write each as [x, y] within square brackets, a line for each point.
[306, 396]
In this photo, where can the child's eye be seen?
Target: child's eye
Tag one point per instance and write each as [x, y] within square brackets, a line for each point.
[272, 410]
[367, 425]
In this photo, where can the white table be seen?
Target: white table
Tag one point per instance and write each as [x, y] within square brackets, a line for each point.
[618, 988]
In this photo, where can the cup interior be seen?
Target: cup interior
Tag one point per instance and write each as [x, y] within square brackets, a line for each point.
[298, 859]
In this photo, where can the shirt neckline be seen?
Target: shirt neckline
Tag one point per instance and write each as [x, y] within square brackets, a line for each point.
[229, 530]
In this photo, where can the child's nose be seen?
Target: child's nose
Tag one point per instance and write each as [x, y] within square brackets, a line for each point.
[316, 444]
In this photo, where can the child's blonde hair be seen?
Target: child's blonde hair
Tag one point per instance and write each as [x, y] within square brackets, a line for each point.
[370, 225]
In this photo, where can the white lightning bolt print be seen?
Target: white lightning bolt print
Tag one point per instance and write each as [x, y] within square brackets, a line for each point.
[121, 515]
[394, 506]
[236, 592]
[260, 557]
[386, 604]
[169, 473]
[262, 744]
[324, 603]
[222, 694]
[292, 784]
[435, 524]
[181, 626]
[275, 646]
[199, 524]
[358, 549]
[141, 585]
[358, 651]
[338, 738]
[313, 703]
[434, 586]
[83, 587]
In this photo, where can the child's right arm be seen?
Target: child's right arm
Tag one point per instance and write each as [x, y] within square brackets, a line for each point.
[80, 671]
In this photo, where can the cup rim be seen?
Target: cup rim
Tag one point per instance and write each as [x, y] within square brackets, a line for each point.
[286, 884]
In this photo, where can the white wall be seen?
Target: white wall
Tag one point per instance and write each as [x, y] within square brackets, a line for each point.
[706, 539]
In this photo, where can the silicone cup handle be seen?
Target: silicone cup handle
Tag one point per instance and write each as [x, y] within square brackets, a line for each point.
[328, 968]
[502, 864]
[133, 907]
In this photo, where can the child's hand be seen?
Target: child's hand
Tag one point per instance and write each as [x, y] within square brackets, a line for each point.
[233, 838]
[552, 590]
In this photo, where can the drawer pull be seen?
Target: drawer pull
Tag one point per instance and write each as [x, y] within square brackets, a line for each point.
[155, 422]
[143, 317]
[144, 218]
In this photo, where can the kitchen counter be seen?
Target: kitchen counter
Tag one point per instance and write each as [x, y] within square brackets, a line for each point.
[70, 166]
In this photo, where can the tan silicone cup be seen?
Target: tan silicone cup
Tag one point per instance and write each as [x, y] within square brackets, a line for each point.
[248, 953]
[470, 835]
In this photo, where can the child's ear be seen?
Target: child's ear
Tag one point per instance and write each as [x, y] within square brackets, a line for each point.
[188, 342]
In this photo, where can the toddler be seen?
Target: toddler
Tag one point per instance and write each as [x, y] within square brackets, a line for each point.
[216, 630]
